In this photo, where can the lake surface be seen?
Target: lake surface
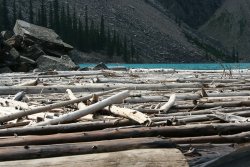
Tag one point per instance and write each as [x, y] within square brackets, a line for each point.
[180, 66]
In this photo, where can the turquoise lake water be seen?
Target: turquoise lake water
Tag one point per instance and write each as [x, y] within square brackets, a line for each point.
[180, 66]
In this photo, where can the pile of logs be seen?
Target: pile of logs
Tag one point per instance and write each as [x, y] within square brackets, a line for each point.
[142, 113]
[29, 47]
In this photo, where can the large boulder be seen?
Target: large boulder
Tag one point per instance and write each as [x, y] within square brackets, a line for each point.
[64, 63]
[47, 38]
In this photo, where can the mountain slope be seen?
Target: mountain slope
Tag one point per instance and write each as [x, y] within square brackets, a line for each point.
[230, 25]
[193, 12]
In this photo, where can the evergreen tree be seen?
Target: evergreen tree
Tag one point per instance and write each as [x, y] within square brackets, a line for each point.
[14, 13]
[20, 14]
[132, 50]
[102, 34]
[109, 45]
[74, 27]
[51, 15]
[86, 30]
[38, 18]
[31, 13]
[43, 14]
[80, 34]
[118, 45]
[5, 15]
[1, 17]
[63, 21]
[125, 50]
[69, 26]
[56, 16]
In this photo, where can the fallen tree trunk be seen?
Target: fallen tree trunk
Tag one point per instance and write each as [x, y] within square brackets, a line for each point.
[62, 128]
[45, 151]
[173, 131]
[118, 98]
[169, 104]
[158, 157]
[7, 90]
[243, 137]
[80, 105]
[50, 107]
[131, 114]
[29, 83]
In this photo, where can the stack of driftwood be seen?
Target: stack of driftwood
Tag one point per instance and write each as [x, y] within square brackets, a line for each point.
[146, 117]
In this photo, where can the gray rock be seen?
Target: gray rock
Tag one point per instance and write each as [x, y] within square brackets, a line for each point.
[33, 52]
[47, 38]
[5, 70]
[64, 63]
[7, 34]
[100, 66]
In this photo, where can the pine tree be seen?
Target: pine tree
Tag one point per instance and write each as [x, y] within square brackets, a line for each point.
[20, 14]
[14, 13]
[5, 15]
[125, 50]
[56, 16]
[43, 14]
[63, 21]
[80, 34]
[69, 26]
[102, 33]
[31, 13]
[51, 15]
[86, 30]
[132, 50]
[74, 27]
[109, 45]
[118, 45]
[1, 17]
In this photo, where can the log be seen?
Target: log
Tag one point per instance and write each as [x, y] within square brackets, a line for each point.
[173, 131]
[230, 117]
[118, 98]
[139, 158]
[80, 105]
[13, 103]
[29, 83]
[7, 90]
[62, 128]
[130, 114]
[243, 137]
[46, 151]
[169, 104]
[19, 96]
[52, 106]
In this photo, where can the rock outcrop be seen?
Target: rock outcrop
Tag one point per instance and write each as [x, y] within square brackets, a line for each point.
[31, 47]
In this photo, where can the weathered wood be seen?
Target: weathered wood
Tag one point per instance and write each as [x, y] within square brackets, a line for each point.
[118, 98]
[7, 90]
[6, 130]
[138, 158]
[29, 83]
[131, 114]
[169, 104]
[236, 138]
[13, 103]
[230, 117]
[45, 151]
[173, 131]
[19, 96]
[80, 105]
[50, 107]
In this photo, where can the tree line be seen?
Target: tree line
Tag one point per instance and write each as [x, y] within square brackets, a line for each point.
[82, 32]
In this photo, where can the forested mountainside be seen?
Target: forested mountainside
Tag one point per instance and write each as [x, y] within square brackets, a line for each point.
[231, 26]
[193, 12]
[123, 30]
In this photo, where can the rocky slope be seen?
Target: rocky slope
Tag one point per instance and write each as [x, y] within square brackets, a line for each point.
[193, 12]
[230, 25]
